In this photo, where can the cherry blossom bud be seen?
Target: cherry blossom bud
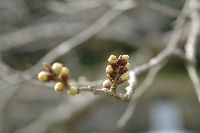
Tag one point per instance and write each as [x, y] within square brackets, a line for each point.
[109, 76]
[112, 59]
[64, 73]
[109, 69]
[73, 90]
[107, 84]
[126, 67]
[59, 87]
[44, 76]
[125, 57]
[123, 77]
[56, 68]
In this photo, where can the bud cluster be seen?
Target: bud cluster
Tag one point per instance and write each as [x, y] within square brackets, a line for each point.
[58, 73]
[116, 71]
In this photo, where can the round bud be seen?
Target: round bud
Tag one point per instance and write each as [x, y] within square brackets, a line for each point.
[112, 59]
[123, 77]
[73, 90]
[107, 84]
[59, 87]
[128, 66]
[109, 69]
[56, 68]
[64, 73]
[109, 77]
[44, 76]
[125, 57]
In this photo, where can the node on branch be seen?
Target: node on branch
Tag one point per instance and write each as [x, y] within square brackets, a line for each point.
[58, 74]
[116, 72]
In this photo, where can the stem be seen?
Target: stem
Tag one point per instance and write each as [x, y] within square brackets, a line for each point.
[115, 81]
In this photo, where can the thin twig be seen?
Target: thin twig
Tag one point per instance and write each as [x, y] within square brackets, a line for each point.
[161, 8]
[83, 36]
[191, 46]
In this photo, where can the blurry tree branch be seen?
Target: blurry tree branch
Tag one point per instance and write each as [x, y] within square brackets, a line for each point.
[189, 56]
[62, 29]
[191, 45]
[83, 36]
[161, 8]
[64, 47]
[64, 111]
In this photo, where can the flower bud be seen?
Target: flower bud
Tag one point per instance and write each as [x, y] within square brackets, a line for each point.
[44, 76]
[125, 57]
[112, 59]
[107, 84]
[109, 77]
[59, 87]
[126, 67]
[56, 68]
[109, 69]
[64, 73]
[73, 90]
[123, 77]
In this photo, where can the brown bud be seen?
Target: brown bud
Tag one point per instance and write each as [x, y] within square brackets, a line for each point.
[109, 76]
[126, 68]
[64, 74]
[56, 68]
[107, 84]
[73, 90]
[47, 66]
[59, 87]
[44, 76]
[123, 59]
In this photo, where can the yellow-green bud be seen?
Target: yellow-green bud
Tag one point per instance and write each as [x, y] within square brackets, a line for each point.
[125, 57]
[124, 77]
[112, 59]
[72, 90]
[59, 87]
[107, 84]
[56, 68]
[109, 69]
[64, 73]
[128, 66]
[44, 76]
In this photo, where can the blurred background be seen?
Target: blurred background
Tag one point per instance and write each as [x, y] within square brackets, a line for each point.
[30, 29]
